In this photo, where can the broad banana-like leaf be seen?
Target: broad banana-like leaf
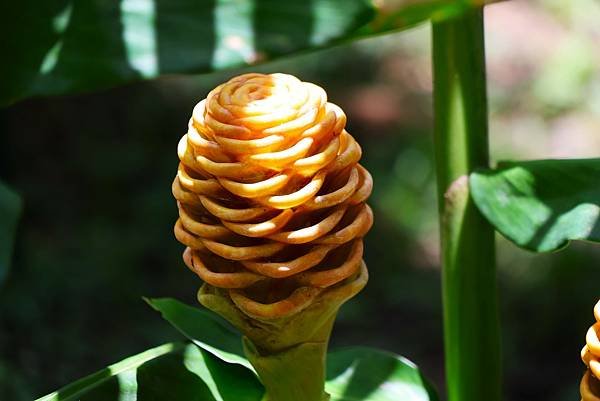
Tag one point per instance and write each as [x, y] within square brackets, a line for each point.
[58, 47]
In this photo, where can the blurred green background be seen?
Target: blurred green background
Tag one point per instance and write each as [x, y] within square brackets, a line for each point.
[96, 235]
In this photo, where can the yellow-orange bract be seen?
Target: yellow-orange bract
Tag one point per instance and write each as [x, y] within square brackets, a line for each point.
[590, 385]
[271, 196]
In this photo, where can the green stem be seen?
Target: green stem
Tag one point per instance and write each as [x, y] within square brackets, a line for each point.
[296, 374]
[471, 328]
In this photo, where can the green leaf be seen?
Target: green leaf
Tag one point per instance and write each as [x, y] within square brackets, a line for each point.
[541, 205]
[67, 46]
[186, 372]
[204, 328]
[353, 374]
[174, 372]
[10, 210]
[365, 374]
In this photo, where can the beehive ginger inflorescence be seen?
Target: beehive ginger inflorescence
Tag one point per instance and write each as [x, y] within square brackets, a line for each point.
[590, 385]
[271, 196]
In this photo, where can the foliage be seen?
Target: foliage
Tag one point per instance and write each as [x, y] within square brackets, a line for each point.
[215, 369]
[541, 205]
[175, 371]
[205, 329]
[83, 46]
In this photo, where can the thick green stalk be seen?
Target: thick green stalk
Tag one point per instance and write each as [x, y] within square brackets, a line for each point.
[471, 329]
[296, 374]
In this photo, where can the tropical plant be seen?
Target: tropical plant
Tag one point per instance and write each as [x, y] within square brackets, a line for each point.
[539, 205]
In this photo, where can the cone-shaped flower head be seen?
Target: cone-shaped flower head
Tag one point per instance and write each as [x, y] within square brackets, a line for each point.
[590, 385]
[271, 197]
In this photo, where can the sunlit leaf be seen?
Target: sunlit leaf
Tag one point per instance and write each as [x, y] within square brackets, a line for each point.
[367, 374]
[67, 46]
[206, 329]
[541, 205]
[10, 210]
[174, 372]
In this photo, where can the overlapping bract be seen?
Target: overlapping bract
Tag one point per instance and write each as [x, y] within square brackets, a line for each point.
[271, 195]
[590, 385]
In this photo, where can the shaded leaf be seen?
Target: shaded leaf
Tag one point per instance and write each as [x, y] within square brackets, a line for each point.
[175, 372]
[65, 46]
[353, 374]
[541, 205]
[10, 210]
[206, 329]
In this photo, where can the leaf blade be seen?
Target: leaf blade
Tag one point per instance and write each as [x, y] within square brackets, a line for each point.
[366, 374]
[541, 205]
[353, 374]
[174, 371]
[203, 328]
[83, 46]
[88, 383]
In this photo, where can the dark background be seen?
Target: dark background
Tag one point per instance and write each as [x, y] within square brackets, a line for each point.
[96, 235]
